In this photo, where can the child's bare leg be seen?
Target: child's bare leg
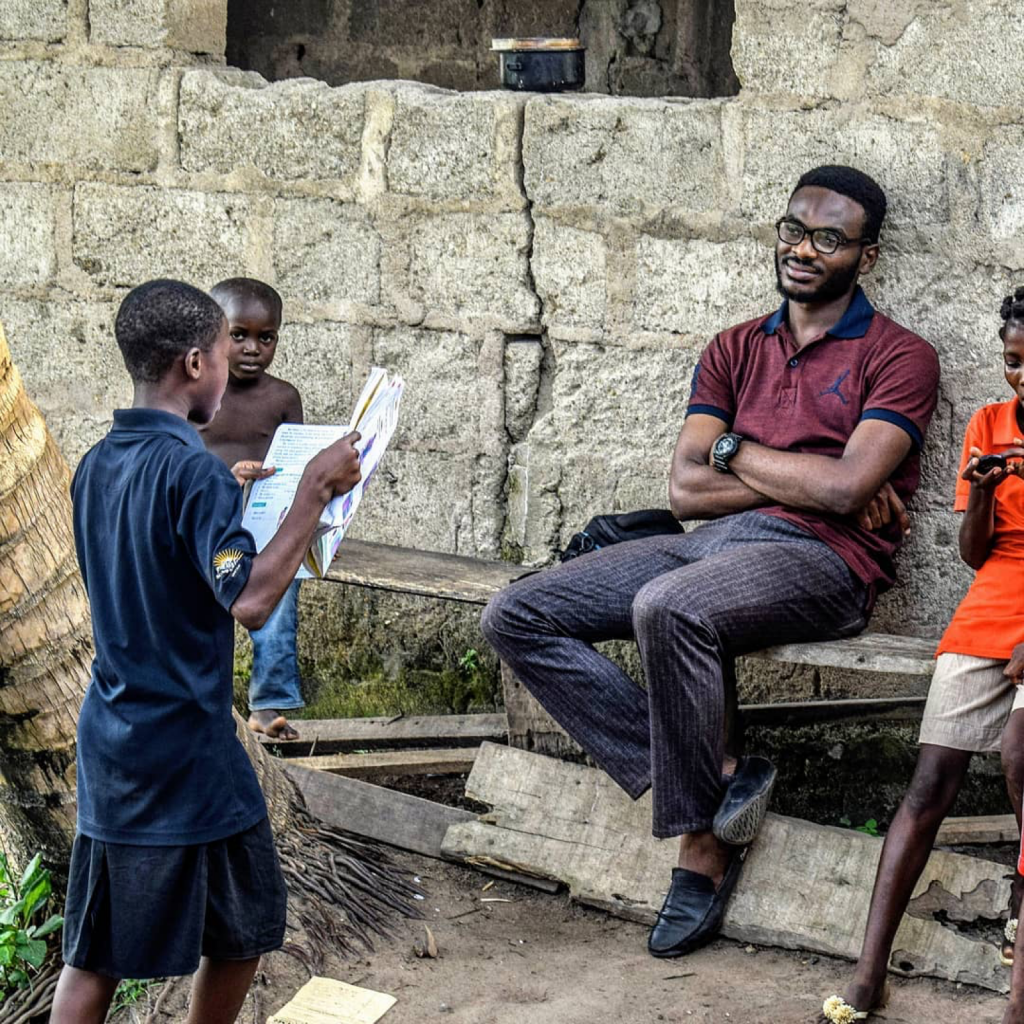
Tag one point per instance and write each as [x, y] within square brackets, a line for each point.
[937, 779]
[1013, 771]
[82, 997]
[1015, 1011]
[218, 990]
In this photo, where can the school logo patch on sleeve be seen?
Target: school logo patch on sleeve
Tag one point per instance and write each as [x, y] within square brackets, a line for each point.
[226, 563]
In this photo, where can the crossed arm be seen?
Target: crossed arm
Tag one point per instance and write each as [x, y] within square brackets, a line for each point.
[855, 484]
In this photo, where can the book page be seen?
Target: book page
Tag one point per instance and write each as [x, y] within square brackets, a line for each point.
[294, 444]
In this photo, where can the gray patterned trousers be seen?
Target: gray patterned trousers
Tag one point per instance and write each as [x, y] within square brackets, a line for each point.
[692, 602]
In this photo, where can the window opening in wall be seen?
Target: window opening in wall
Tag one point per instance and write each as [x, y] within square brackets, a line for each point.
[634, 47]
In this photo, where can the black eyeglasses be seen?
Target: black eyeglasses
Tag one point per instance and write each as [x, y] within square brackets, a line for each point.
[824, 240]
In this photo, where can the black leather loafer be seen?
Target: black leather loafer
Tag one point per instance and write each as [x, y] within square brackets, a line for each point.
[745, 803]
[693, 910]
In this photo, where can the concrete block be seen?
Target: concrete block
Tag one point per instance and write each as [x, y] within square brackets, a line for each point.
[614, 421]
[325, 252]
[569, 271]
[959, 52]
[906, 157]
[452, 146]
[431, 362]
[420, 500]
[125, 235]
[788, 48]
[1002, 192]
[46, 20]
[623, 155]
[523, 361]
[291, 130]
[28, 220]
[93, 118]
[952, 304]
[71, 366]
[317, 359]
[468, 265]
[700, 287]
[199, 26]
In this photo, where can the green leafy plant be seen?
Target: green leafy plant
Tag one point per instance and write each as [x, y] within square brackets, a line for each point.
[130, 992]
[869, 828]
[23, 945]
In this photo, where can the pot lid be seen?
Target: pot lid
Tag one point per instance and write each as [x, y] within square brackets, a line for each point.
[536, 43]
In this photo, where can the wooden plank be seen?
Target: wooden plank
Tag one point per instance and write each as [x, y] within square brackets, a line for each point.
[392, 762]
[423, 573]
[408, 822]
[989, 828]
[396, 819]
[803, 886]
[342, 735]
[875, 709]
[869, 652]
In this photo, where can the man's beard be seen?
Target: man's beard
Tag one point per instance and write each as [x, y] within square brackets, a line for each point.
[831, 287]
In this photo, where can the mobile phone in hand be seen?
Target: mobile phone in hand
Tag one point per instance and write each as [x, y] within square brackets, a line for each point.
[989, 462]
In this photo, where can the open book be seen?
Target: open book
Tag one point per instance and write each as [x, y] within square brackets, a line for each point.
[375, 416]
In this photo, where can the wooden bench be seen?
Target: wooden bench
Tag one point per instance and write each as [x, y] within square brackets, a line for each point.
[475, 581]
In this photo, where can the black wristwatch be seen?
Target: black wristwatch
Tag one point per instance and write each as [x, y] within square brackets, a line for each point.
[723, 450]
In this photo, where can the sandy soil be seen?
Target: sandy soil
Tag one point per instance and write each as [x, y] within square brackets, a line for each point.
[539, 958]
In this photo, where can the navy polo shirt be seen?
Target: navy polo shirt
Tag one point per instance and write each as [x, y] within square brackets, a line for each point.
[164, 556]
[760, 384]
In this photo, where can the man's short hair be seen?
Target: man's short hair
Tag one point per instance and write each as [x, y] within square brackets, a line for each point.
[248, 288]
[856, 185]
[160, 321]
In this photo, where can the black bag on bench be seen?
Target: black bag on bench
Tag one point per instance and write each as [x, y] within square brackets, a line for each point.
[602, 531]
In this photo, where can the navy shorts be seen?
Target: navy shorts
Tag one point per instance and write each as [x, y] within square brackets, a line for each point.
[153, 911]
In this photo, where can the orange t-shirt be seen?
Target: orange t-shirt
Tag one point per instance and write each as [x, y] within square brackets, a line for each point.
[989, 621]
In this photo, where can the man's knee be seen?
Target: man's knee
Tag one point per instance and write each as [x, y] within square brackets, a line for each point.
[658, 609]
[493, 618]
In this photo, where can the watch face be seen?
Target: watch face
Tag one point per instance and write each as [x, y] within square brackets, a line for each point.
[726, 445]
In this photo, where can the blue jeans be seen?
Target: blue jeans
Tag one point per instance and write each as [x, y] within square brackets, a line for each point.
[274, 683]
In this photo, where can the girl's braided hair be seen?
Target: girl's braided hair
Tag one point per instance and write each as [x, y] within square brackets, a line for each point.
[1012, 308]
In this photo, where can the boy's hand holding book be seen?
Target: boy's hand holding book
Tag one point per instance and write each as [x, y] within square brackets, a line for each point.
[335, 470]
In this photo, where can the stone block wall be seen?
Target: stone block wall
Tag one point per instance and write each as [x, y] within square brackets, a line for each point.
[544, 271]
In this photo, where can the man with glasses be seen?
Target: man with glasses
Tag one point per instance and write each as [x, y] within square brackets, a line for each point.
[801, 444]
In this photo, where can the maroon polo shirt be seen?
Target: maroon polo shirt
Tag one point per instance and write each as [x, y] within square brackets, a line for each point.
[866, 367]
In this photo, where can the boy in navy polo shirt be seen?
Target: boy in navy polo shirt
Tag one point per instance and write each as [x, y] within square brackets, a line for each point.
[174, 865]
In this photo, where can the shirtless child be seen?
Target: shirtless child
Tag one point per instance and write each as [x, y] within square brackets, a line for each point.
[255, 404]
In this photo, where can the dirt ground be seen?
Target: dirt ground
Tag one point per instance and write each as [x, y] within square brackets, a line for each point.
[540, 958]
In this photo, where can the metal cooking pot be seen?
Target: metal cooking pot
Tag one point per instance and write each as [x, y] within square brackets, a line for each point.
[540, 64]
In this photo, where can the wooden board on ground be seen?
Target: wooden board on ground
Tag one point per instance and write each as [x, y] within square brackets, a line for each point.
[803, 886]
[341, 735]
[989, 828]
[393, 762]
[424, 573]
[326, 1001]
[397, 819]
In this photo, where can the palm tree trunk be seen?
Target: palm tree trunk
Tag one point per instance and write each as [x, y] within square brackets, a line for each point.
[45, 633]
[45, 658]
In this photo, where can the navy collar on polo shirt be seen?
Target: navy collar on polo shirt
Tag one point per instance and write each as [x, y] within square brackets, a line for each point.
[156, 421]
[854, 323]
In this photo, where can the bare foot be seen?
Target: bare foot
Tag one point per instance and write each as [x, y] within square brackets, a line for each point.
[866, 993]
[702, 853]
[271, 724]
